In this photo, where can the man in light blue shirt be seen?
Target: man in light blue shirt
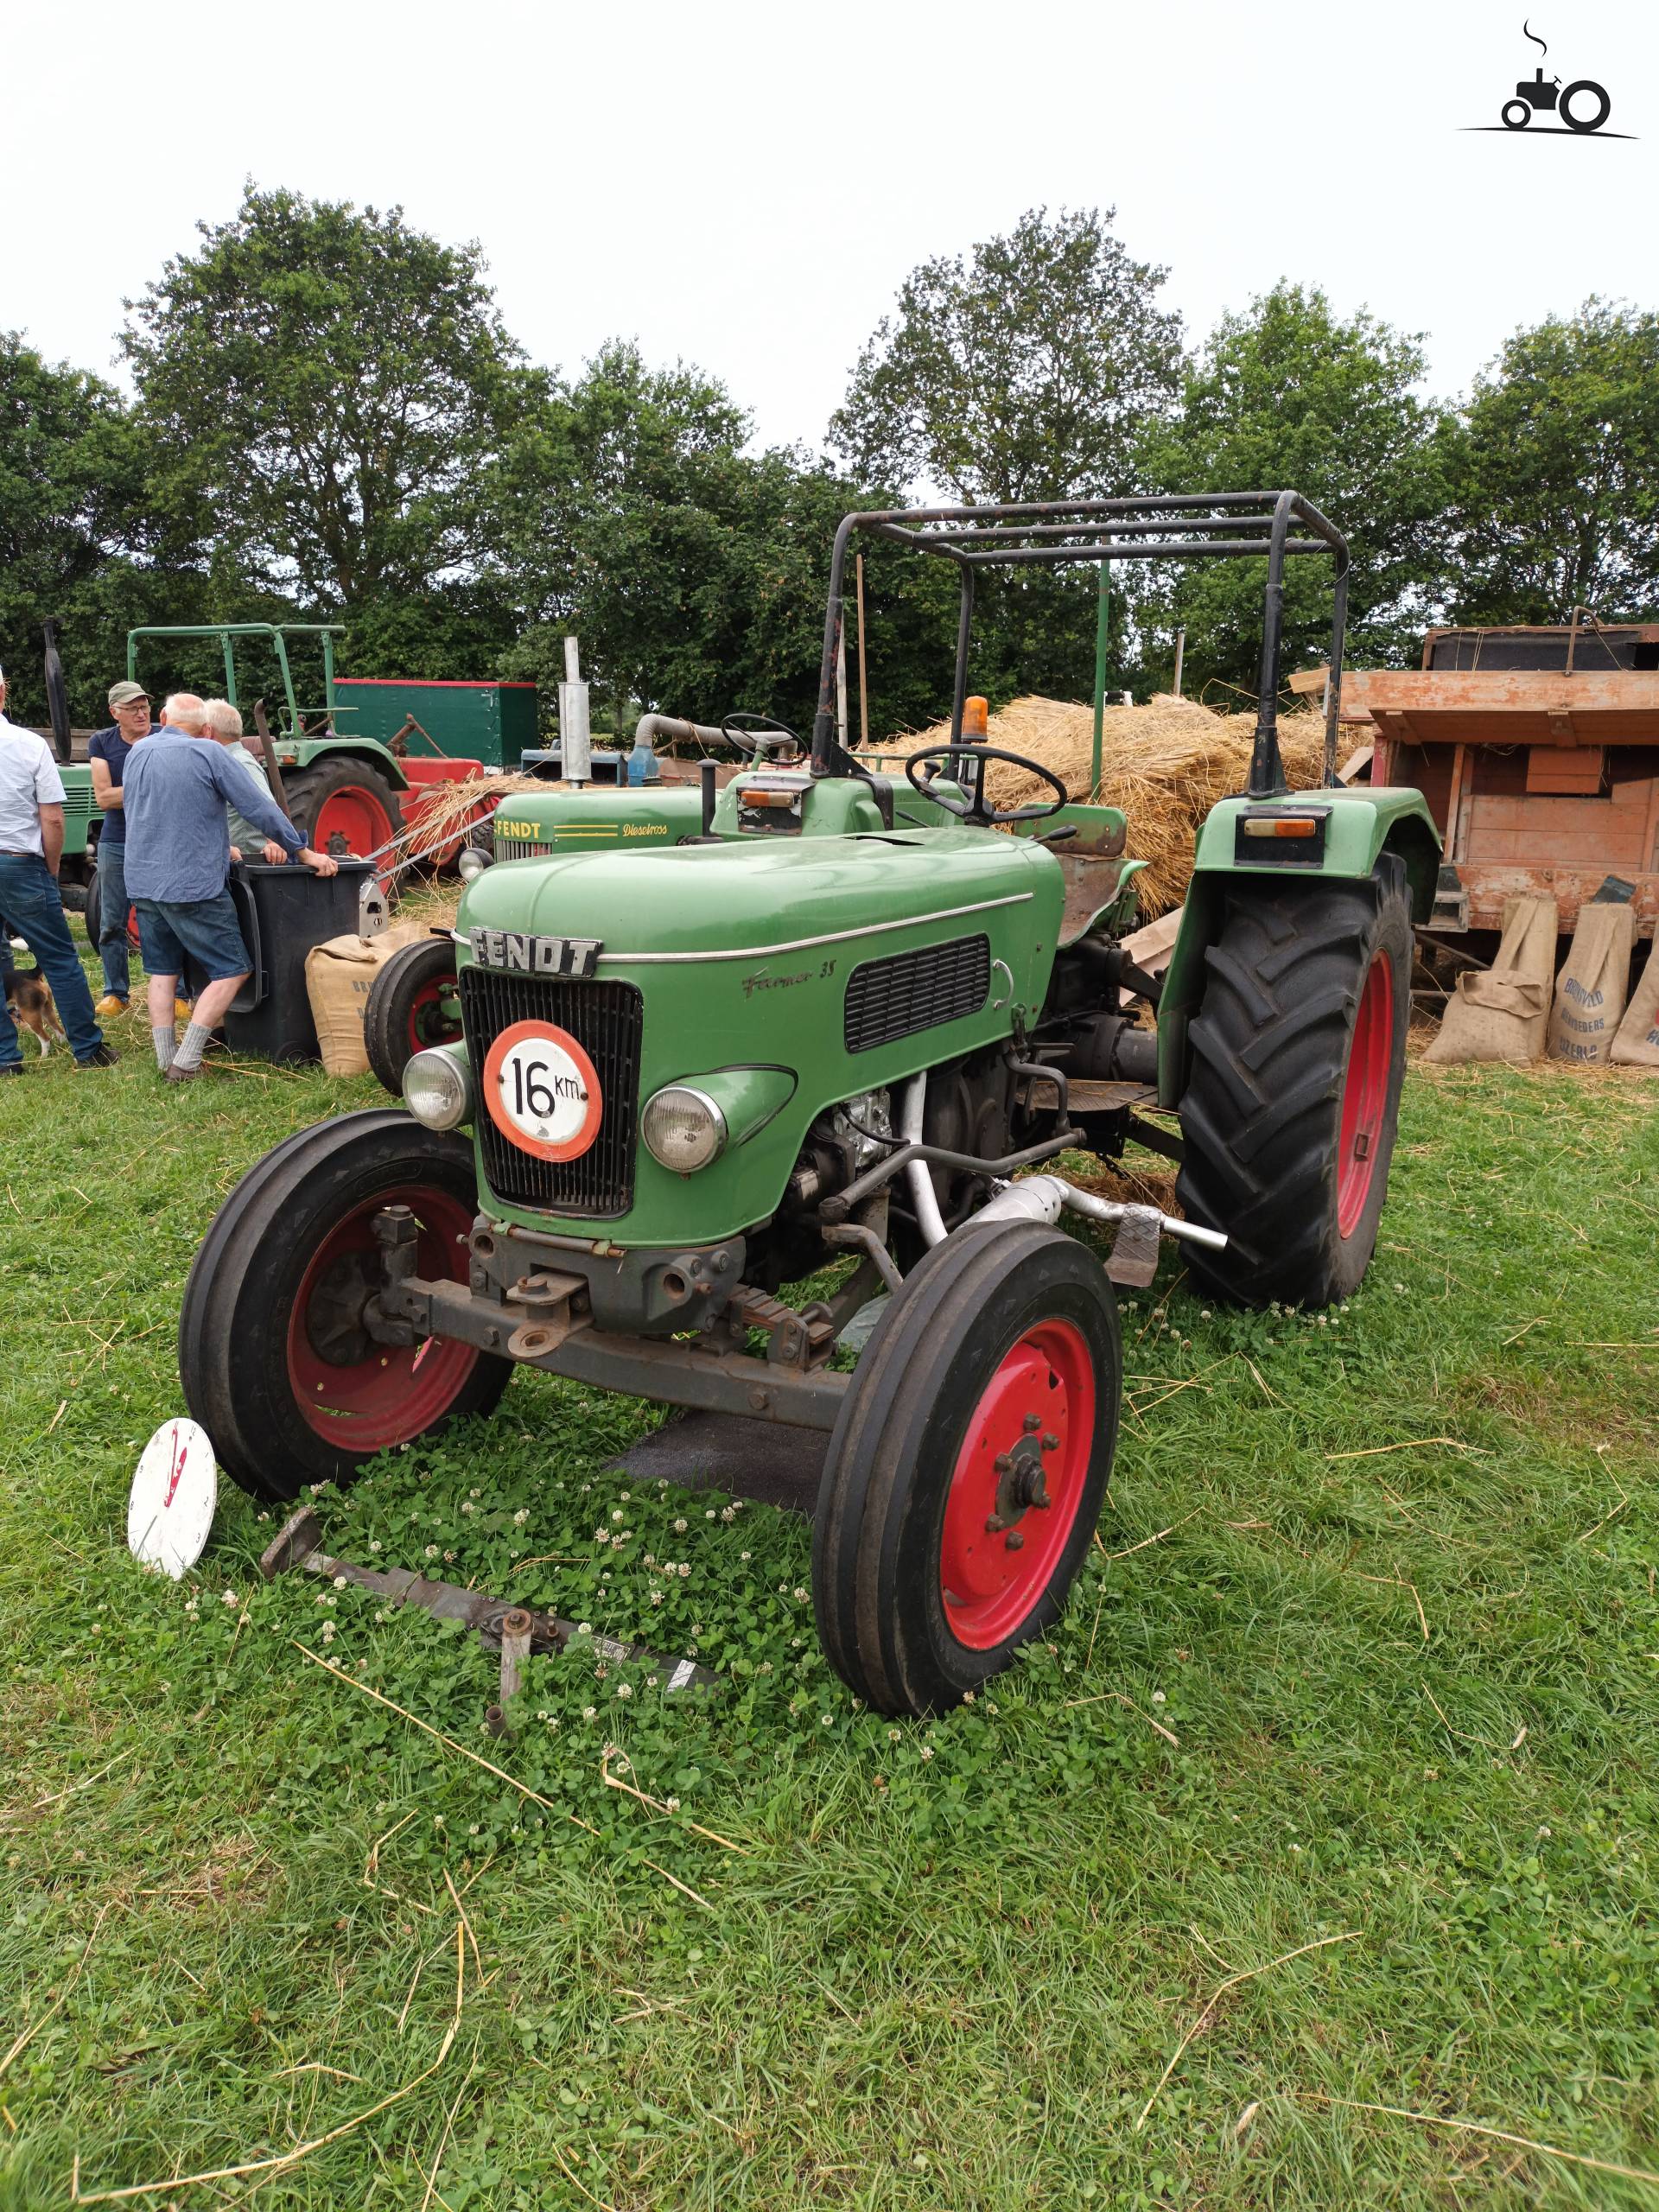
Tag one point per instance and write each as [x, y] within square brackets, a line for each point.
[177, 785]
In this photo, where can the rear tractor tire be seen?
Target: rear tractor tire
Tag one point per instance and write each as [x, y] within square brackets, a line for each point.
[967, 1468]
[413, 1003]
[343, 796]
[1298, 1056]
[276, 1361]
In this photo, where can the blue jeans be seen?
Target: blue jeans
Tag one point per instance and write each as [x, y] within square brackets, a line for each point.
[29, 901]
[112, 904]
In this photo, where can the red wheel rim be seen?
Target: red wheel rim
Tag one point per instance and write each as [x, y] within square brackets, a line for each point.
[1365, 1094]
[1035, 1416]
[399, 1390]
[428, 1022]
[355, 814]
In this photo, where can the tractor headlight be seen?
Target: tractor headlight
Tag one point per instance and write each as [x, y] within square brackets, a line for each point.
[438, 1088]
[472, 862]
[684, 1128]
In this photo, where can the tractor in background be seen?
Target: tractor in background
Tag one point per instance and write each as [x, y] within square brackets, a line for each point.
[858, 1022]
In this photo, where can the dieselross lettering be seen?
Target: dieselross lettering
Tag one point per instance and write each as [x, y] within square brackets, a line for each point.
[520, 955]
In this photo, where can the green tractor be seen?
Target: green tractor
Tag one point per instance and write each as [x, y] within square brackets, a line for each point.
[841, 1025]
[337, 787]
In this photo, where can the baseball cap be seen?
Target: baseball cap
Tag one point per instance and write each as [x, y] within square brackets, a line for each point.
[126, 695]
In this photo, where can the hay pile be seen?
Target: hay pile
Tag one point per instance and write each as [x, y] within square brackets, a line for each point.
[1165, 764]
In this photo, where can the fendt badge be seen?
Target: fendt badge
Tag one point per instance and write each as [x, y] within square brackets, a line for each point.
[534, 956]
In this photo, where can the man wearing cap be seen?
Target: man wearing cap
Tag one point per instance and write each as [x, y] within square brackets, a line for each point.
[106, 754]
[31, 844]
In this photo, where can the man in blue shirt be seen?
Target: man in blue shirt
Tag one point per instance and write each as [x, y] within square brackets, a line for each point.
[177, 785]
[106, 754]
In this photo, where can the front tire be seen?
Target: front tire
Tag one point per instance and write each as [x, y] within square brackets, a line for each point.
[412, 1003]
[1298, 1057]
[274, 1362]
[967, 1468]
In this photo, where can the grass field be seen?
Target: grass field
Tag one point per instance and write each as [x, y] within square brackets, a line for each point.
[1365, 1660]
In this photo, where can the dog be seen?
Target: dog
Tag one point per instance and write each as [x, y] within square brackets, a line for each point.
[29, 996]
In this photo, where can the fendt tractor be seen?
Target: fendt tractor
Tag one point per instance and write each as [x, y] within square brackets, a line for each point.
[853, 1027]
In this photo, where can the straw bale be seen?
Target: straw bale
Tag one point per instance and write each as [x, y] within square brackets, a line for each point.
[1165, 764]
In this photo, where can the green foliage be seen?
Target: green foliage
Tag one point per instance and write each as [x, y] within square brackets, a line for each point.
[1026, 371]
[693, 568]
[1558, 502]
[950, 1960]
[325, 385]
[1289, 395]
[72, 527]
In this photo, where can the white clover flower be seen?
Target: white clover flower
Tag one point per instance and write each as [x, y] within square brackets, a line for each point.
[927, 1750]
[673, 1804]
[746, 1555]
[374, 1543]
[616, 1513]
[590, 1712]
[895, 1735]
[467, 1505]
[624, 1689]
[1158, 1698]
[450, 1557]
[431, 1551]
[229, 1598]
[521, 1516]
[650, 1559]
[680, 1526]
[601, 1535]
[474, 1829]
[728, 1513]
[800, 1596]
[685, 1568]
[709, 1515]
[584, 1628]
[826, 1720]
[656, 1596]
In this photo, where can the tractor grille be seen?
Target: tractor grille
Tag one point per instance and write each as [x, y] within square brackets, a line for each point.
[607, 1020]
[76, 805]
[889, 999]
[520, 848]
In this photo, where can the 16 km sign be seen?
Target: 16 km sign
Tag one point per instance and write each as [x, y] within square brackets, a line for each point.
[542, 1090]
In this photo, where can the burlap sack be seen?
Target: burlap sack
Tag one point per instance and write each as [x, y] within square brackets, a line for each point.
[1500, 1013]
[1637, 1045]
[1592, 989]
[338, 975]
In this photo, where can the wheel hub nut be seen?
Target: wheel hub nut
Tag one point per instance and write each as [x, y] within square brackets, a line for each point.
[1014, 1540]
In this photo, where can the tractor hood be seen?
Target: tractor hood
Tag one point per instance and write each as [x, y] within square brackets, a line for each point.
[751, 900]
[828, 966]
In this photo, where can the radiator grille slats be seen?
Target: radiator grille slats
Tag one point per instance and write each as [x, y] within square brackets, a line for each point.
[520, 848]
[894, 998]
[607, 1019]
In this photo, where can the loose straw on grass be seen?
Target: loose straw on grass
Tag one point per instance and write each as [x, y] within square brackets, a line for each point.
[655, 1804]
[1250, 1975]
[488, 1765]
[281, 2160]
[1493, 2134]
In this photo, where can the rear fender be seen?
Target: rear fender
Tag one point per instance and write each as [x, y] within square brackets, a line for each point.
[302, 752]
[1362, 825]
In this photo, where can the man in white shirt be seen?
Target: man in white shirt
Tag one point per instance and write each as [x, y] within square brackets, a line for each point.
[31, 845]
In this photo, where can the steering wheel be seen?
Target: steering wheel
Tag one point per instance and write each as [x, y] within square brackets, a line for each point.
[766, 732]
[976, 811]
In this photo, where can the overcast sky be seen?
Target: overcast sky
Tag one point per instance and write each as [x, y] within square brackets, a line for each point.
[744, 185]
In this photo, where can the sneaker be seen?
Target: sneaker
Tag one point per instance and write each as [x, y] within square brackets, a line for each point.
[101, 1056]
[108, 1008]
[176, 1074]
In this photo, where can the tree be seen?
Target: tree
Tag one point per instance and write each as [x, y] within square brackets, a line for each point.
[694, 570]
[1026, 371]
[1289, 395]
[327, 387]
[73, 526]
[1559, 500]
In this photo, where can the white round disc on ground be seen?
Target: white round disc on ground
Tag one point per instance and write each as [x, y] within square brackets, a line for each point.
[170, 1511]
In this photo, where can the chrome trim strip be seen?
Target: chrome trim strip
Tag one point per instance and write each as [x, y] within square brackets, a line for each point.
[806, 943]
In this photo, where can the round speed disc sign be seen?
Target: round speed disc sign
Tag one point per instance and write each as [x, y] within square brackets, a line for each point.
[542, 1091]
[170, 1511]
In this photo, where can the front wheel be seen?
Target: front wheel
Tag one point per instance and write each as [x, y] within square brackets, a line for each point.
[1516, 115]
[967, 1468]
[413, 1003]
[1298, 1057]
[276, 1352]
